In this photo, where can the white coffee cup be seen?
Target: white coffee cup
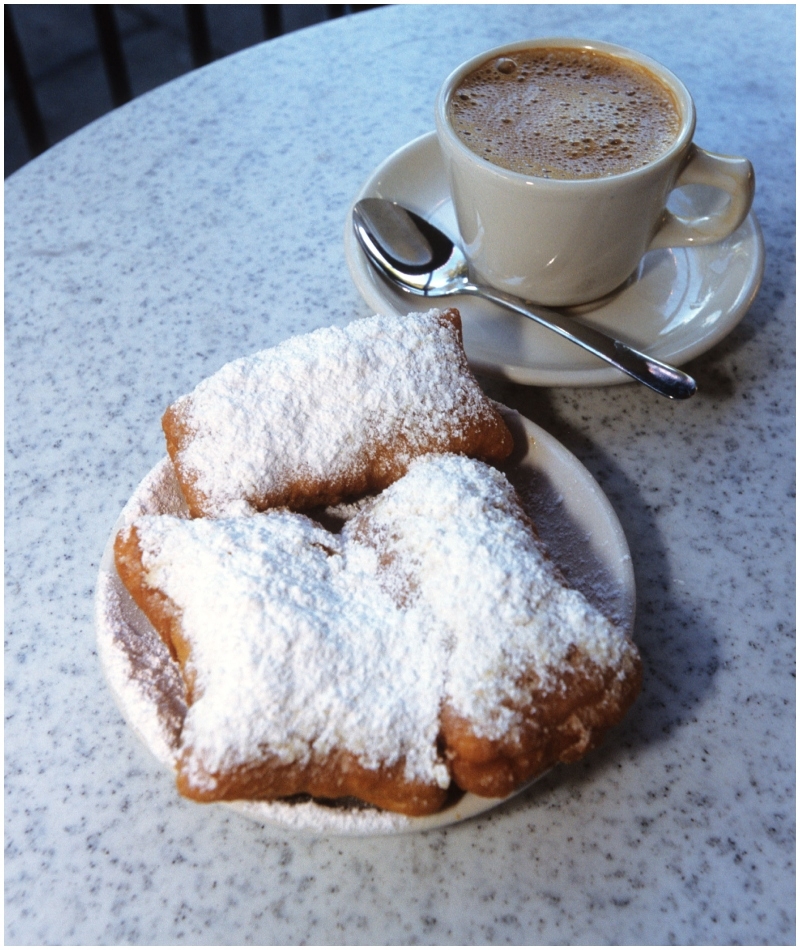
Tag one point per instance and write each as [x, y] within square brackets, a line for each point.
[561, 242]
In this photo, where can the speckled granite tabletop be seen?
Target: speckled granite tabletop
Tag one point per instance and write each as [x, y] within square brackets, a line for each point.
[204, 221]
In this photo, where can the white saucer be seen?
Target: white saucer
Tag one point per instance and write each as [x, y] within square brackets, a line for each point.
[679, 304]
[574, 518]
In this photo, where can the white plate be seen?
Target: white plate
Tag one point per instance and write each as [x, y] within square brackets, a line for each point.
[679, 303]
[575, 521]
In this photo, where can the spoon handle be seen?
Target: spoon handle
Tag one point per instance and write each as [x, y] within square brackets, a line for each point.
[664, 379]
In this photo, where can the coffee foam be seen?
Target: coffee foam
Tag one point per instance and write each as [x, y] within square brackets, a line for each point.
[564, 113]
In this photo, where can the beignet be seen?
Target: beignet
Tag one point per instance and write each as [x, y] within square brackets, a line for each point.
[535, 674]
[329, 415]
[430, 640]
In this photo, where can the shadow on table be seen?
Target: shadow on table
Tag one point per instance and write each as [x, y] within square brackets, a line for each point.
[676, 639]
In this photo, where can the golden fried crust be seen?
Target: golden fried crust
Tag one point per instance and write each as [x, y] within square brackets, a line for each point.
[162, 613]
[336, 776]
[561, 724]
[178, 435]
[485, 436]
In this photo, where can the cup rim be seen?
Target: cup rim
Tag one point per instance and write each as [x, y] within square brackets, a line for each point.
[679, 90]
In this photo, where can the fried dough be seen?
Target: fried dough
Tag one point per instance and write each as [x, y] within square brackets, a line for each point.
[430, 641]
[330, 415]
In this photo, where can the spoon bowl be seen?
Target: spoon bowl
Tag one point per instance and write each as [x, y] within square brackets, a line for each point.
[410, 250]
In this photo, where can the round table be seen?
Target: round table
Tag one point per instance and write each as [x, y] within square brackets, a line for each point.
[204, 221]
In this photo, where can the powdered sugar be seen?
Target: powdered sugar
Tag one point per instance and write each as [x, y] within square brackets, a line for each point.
[150, 695]
[159, 492]
[312, 816]
[325, 407]
[294, 646]
[139, 669]
[455, 529]
[436, 591]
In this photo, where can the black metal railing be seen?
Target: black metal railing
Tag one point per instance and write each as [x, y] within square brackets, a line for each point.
[110, 46]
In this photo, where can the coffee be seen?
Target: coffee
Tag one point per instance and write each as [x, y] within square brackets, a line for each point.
[564, 113]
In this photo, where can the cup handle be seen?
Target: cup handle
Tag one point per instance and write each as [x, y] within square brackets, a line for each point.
[733, 175]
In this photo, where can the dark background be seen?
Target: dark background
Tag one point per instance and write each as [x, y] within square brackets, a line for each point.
[68, 77]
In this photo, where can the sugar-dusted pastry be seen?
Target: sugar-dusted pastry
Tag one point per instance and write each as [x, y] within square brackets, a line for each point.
[301, 674]
[332, 414]
[430, 640]
[535, 674]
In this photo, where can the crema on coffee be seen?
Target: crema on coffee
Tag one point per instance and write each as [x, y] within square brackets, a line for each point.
[564, 113]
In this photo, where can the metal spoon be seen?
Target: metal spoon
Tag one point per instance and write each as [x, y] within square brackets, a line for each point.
[416, 256]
